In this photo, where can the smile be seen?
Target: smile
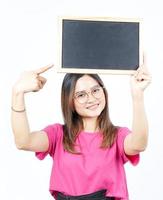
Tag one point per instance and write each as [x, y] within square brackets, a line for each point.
[93, 107]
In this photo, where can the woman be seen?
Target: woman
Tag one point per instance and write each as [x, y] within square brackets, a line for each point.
[88, 151]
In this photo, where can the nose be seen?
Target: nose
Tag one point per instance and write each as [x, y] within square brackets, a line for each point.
[90, 97]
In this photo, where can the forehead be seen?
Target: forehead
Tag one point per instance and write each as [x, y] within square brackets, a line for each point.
[85, 83]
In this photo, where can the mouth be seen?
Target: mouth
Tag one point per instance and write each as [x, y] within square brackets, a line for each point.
[92, 107]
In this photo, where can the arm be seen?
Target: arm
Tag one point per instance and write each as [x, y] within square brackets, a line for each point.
[28, 82]
[137, 140]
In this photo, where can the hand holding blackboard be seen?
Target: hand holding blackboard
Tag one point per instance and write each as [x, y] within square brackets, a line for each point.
[99, 45]
[141, 79]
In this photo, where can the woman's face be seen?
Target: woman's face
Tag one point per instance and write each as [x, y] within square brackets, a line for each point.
[89, 98]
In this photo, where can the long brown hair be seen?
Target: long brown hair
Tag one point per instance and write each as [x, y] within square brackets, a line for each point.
[73, 123]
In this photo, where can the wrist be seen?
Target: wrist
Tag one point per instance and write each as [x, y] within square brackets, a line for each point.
[138, 101]
[16, 90]
[137, 95]
[18, 104]
[18, 111]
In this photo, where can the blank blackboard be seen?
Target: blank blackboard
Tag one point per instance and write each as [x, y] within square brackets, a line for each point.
[99, 45]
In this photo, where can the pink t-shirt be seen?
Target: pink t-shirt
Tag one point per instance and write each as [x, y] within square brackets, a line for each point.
[95, 169]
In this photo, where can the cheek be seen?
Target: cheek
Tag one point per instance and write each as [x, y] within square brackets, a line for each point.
[103, 101]
[102, 104]
[78, 107]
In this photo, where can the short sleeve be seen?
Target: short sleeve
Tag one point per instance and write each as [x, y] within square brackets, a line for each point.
[122, 133]
[52, 132]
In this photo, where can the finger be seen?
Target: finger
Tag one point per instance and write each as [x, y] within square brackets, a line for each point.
[144, 77]
[36, 90]
[43, 69]
[144, 65]
[42, 80]
[138, 72]
[40, 85]
[145, 58]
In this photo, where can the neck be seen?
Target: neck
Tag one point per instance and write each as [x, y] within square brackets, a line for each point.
[90, 124]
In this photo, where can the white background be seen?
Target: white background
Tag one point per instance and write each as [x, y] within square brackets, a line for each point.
[28, 31]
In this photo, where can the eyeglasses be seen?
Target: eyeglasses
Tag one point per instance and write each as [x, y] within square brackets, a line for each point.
[96, 92]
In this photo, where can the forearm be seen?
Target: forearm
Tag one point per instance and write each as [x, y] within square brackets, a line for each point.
[139, 124]
[19, 120]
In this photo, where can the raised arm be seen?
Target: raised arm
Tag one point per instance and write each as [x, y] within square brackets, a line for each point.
[137, 140]
[29, 82]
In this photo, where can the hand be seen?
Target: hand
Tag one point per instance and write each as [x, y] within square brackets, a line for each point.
[31, 81]
[141, 79]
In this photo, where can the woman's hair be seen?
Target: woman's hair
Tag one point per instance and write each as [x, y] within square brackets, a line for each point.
[73, 123]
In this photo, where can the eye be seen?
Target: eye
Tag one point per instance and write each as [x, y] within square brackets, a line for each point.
[81, 95]
[96, 90]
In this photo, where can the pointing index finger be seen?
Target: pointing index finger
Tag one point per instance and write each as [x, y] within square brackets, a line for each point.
[43, 69]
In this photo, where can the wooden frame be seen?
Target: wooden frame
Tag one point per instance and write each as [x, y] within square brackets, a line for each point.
[100, 70]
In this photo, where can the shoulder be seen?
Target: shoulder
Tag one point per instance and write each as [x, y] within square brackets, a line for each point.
[54, 129]
[54, 126]
[122, 132]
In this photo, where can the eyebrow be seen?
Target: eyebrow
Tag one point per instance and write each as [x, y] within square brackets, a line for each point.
[86, 90]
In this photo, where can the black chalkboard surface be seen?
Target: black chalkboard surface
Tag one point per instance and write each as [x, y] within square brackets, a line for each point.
[99, 45]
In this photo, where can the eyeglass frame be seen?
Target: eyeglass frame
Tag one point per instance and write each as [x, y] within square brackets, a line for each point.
[91, 91]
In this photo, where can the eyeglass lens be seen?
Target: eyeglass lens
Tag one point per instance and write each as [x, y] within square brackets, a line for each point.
[96, 92]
